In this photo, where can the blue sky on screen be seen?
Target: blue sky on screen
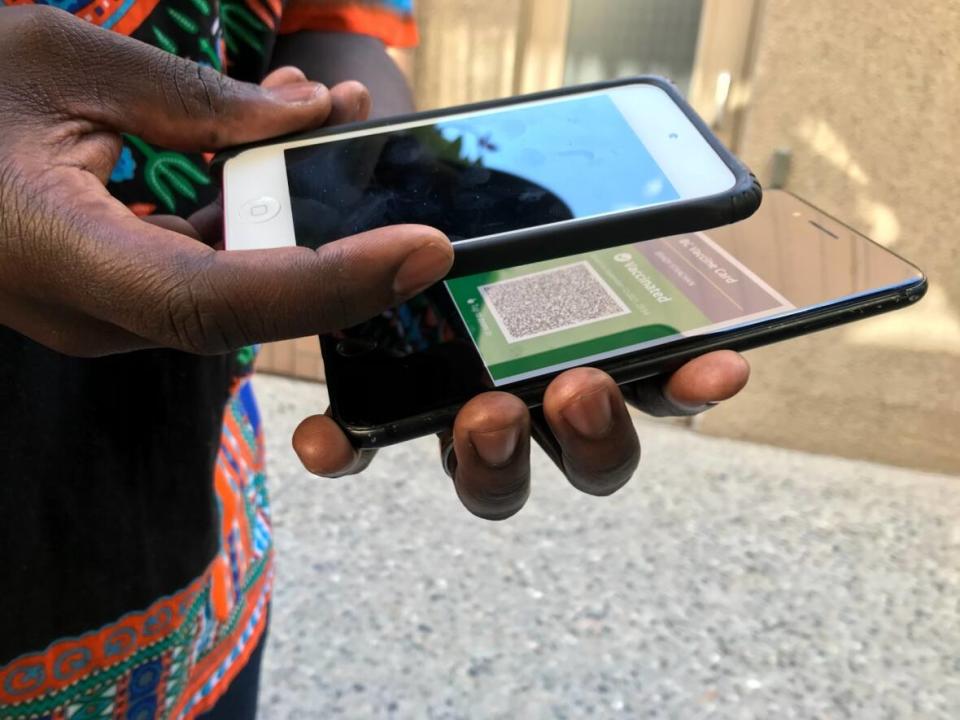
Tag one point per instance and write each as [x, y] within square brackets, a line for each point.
[581, 149]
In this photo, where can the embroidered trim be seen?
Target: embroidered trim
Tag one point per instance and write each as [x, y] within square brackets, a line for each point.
[176, 658]
[396, 29]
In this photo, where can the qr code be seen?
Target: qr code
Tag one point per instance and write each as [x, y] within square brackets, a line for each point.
[551, 300]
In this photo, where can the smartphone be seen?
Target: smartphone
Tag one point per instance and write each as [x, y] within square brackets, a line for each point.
[636, 311]
[510, 182]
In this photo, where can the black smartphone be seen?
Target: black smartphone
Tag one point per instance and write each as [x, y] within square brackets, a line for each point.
[510, 182]
[635, 311]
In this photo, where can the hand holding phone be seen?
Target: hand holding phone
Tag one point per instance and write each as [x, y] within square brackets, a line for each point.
[788, 270]
[583, 424]
[84, 276]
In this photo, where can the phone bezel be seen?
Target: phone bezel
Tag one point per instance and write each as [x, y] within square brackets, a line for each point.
[517, 247]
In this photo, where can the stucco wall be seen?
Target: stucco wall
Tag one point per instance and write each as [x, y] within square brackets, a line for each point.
[866, 94]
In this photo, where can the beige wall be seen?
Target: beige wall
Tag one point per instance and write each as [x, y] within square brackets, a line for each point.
[866, 94]
[473, 50]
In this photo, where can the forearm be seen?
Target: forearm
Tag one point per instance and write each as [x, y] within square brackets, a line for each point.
[330, 58]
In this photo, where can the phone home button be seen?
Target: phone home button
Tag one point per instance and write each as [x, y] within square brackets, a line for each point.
[260, 209]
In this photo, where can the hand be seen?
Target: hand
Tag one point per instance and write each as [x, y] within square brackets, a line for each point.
[584, 425]
[81, 274]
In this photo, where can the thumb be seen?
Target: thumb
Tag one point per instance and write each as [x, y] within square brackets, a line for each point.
[190, 297]
[292, 292]
[172, 102]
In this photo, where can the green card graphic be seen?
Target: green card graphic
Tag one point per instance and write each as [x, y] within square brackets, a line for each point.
[537, 318]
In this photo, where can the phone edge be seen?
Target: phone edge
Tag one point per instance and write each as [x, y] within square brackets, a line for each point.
[741, 339]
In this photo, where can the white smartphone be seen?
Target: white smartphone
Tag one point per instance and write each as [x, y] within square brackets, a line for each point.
[509, 182]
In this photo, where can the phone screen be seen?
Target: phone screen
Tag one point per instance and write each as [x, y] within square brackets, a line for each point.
[488, 172]
[548, 316]
[505, 328]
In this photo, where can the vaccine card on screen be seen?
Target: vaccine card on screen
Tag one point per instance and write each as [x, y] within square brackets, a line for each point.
[544, 317]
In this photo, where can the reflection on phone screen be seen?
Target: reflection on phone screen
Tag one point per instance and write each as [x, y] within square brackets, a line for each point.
[477, 175]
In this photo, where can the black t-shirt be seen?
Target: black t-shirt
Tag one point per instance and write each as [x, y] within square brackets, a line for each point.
[106, 501]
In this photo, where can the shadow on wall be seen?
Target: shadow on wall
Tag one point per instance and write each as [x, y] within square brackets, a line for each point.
[864, 94]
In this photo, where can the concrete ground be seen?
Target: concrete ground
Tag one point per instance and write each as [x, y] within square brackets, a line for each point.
[727, 580]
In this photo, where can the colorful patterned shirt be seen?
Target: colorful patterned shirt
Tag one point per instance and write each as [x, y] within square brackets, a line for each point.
[134, 514]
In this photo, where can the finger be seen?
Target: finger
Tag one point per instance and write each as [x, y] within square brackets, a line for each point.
[696, 386]
[350, 102]
[208, 222]
[325, 450]
[286, 75]
[205, 224]
[173, 223]
[159, 97]
[589, 419]
[491, 443]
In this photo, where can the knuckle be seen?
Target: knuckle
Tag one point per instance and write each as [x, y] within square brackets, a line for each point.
[603, 480]
[493, 410]
[198, 91]
[506, 495]
[493, 506]
[493, 495]
[193, 316]
[338, 306]
[211, 93]
[578, 381]
[185, 327]
[176, 72]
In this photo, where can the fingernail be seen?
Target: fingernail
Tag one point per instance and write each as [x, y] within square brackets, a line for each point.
[684, 408]
[298, 92]
[496, 447]
[421, 269]
[591, 415]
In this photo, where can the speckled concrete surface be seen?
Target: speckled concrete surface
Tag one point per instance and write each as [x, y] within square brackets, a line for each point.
[727, 581]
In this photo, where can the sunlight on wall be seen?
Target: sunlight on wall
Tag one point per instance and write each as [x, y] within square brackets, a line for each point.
[879, 221]
[933, 326]
[827, 144]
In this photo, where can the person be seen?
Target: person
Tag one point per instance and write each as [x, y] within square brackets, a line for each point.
[133, 514]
